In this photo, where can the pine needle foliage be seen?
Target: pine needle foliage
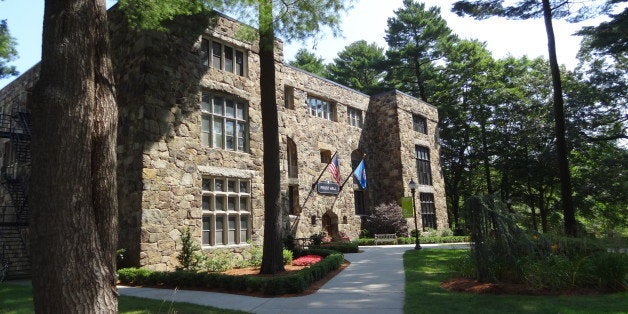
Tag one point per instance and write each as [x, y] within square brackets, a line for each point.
[498, 243]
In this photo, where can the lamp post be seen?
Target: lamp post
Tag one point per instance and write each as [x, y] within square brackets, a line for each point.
[412, 186]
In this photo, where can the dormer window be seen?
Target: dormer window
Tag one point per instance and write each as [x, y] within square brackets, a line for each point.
[223, 57]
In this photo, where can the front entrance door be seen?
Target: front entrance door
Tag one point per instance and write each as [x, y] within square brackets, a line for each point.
[330, 224]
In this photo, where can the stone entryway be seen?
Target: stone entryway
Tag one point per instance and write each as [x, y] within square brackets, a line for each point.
[330, 224]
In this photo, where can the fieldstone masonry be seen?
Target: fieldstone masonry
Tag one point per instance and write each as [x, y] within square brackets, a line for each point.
[162, 162]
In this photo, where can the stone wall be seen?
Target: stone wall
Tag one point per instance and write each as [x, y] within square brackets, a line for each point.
[15, 173]
[407, 107]
[312, 134]
[161, 161]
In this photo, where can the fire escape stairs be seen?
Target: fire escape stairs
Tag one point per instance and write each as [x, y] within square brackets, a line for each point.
[14, 252]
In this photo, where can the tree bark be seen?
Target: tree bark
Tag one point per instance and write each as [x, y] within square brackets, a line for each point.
[487, 166]
[272, 258]
[532, 207]
[543, 210]
[73, 192]
[559, 126]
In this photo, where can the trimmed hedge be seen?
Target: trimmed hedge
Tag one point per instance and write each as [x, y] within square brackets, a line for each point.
[422, 239]
[342, 247]
[293, 283]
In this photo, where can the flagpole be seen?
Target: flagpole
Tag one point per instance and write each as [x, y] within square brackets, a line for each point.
[351, 173]
[324, 169]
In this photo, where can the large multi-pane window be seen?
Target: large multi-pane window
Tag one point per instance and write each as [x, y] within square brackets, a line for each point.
[223, 122]
[221, 56]
[428, 210]
[424, 171]
[419, 123]
[354, 117]
[226, 211]
[321, 108]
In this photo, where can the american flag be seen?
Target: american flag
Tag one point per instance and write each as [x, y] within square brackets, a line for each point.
[334, 169]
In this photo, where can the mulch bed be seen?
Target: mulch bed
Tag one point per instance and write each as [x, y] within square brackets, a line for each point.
[255, 272]
[460, 284]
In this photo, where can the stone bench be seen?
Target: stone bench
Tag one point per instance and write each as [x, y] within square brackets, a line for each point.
[385, 237]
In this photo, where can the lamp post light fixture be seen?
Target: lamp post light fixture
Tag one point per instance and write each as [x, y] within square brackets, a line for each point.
[412, 186]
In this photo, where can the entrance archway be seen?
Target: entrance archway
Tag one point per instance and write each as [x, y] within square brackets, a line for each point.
[330, 224]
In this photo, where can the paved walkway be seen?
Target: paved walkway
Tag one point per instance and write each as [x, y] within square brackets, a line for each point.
[373, 283]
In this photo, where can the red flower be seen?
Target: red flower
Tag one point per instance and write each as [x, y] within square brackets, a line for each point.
[307, 260]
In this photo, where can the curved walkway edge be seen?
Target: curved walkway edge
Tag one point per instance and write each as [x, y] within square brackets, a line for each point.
[373, 283]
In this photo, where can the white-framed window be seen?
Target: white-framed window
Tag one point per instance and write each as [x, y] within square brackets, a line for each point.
[321, 108]
[355, 117]
[223, 57]
[224, 122]
[226, 206]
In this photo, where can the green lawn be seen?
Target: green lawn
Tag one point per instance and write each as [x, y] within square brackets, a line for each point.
[19, 299]
[426, 269]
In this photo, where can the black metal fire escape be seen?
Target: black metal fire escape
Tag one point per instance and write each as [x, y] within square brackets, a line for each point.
[15, 126]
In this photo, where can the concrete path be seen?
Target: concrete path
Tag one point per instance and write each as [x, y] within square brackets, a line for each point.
[373, 283]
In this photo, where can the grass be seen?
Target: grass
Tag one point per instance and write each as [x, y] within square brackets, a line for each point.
[426, 269]
[17, 299]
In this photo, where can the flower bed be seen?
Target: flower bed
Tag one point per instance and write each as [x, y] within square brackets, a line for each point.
[307, 260]
[272, 285]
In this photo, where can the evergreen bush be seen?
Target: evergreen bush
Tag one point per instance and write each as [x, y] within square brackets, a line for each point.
[501, 251]
[189, 258]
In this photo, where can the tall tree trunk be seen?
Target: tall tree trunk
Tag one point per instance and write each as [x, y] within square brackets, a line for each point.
[487, 166]
[73, 191]
[532, 206]
[543, 210]
[272, 260]
[418, 76]
[559, 126]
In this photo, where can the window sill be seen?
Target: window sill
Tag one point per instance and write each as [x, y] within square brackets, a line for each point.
[224, 246]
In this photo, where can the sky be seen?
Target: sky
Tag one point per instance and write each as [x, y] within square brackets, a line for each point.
[365, 21]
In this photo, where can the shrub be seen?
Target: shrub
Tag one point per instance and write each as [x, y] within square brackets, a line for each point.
[251, 257]
[446, 232]
[410, 240]
[293, 283]
[386, 218]
[317, 238]
[287, 256]
[288, 242]
[189, 257]
[611, 270]
[218, 261]
[501, 251]
[342, 247]
[365, 234]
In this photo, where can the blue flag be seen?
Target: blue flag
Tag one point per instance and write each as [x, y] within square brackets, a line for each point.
[360, 174]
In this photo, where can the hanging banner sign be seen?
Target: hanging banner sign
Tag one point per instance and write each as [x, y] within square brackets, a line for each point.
[406, 207]
[328, 188]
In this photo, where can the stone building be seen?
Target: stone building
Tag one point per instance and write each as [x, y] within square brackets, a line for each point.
[190, 143]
